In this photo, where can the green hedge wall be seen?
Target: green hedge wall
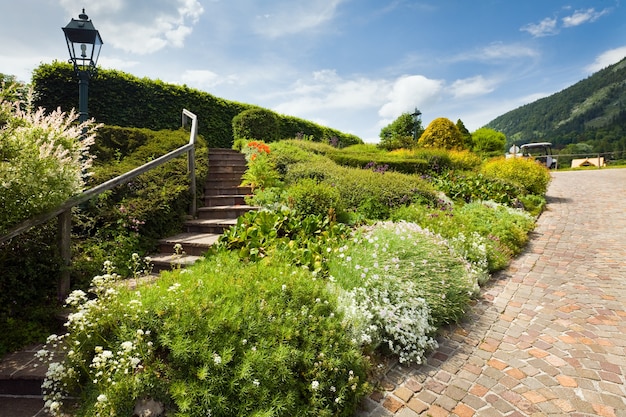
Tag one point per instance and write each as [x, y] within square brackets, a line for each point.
[120, 99]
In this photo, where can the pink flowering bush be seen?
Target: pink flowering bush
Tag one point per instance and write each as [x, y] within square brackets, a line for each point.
[44, 159]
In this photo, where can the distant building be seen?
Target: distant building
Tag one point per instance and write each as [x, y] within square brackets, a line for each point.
[589, 162]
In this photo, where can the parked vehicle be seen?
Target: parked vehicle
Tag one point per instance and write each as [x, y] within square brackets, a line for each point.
[539, 151]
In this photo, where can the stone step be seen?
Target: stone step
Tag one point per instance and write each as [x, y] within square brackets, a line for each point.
[224, 200]
[224, 176]
[168, 261]
[237, 169]
[195, 244]
[224, 212]
[22, 406]
[21, 373]
[225, 154]
[220, 189]
[230, 183]
[216, 226]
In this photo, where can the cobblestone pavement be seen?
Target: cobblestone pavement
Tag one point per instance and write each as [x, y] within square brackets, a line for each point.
[548, 335]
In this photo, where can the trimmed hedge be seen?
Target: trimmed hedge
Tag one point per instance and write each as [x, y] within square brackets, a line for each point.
[120, 99]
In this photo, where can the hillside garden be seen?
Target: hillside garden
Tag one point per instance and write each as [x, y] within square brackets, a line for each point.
[355, 254]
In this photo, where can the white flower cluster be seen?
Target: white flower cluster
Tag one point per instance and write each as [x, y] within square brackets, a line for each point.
[385, 308]
[473, 248]
[106, 364]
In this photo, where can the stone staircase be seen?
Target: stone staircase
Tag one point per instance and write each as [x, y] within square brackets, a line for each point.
[223, 204]
[21, 379]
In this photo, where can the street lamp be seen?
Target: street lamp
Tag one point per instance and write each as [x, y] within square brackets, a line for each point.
[83, 43]
[416, 120]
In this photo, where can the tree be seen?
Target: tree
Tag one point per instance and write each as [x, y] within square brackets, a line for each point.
[400, 133]
[441, 133]
[486, 140]
[467, 136]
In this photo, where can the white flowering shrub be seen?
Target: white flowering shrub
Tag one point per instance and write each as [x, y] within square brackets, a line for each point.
[223, 338]
[44, 158]
[397, 284]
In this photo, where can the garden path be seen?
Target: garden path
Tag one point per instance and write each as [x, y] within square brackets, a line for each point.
[547, 337]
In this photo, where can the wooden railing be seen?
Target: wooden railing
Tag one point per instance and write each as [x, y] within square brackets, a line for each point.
[63, 212]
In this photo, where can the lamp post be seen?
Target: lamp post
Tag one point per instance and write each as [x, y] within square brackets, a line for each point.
[83, 43]
[416, 120]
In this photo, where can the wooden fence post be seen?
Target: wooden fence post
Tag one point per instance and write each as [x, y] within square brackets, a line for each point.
[64, 236]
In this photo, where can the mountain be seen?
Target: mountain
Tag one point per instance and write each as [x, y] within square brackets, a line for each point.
[592, 111]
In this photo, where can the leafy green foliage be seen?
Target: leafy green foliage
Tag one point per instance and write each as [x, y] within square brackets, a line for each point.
[398, 283]
[43, 160]
[309, 197]
[256, 124]
[503, 231]
[401, 133]
[592, 110]
[529, 174]
[467, 136]
[261, 173]
[486, 141]
[30, 268]
[299, 240]
[472, 186]
[114, 95]
[364, 192]
[250, 339]
[441, 133]
[132, 217]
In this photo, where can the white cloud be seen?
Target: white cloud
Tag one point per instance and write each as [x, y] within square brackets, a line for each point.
[583, 16]
[204, 79]
[607, 58]
[547, 26]
[474, 86]
[506, 51]
[290, 17]
[141, 26]
[408, 92]
[325, 90]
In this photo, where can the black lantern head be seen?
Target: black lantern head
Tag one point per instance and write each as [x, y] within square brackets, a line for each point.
[83, 43]
[416, 115]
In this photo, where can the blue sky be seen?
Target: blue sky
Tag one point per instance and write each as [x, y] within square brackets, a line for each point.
[354, 65]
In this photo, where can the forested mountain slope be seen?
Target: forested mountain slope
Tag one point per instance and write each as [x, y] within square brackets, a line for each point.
[592, 111]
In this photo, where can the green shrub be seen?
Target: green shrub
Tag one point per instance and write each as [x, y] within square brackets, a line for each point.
[289, 152]
[44, 159]
[438, 160]
[111, 92]
[503, 230]
[397, 284]
[299, 240]
[250, 339]
[132, 217]
[256, 124]
[30, 268]
[471, 186]
[464, 160]
[531, 175]
[309, 197]
[533, 204]
[365, 192]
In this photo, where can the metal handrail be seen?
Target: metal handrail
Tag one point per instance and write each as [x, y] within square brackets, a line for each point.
[63, 211]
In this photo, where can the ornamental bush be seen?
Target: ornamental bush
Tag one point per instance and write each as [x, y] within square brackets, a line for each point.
[250, 339]
[529, 174]
[397, 283]
[256, 124]
[44, 160]
[443, 134]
